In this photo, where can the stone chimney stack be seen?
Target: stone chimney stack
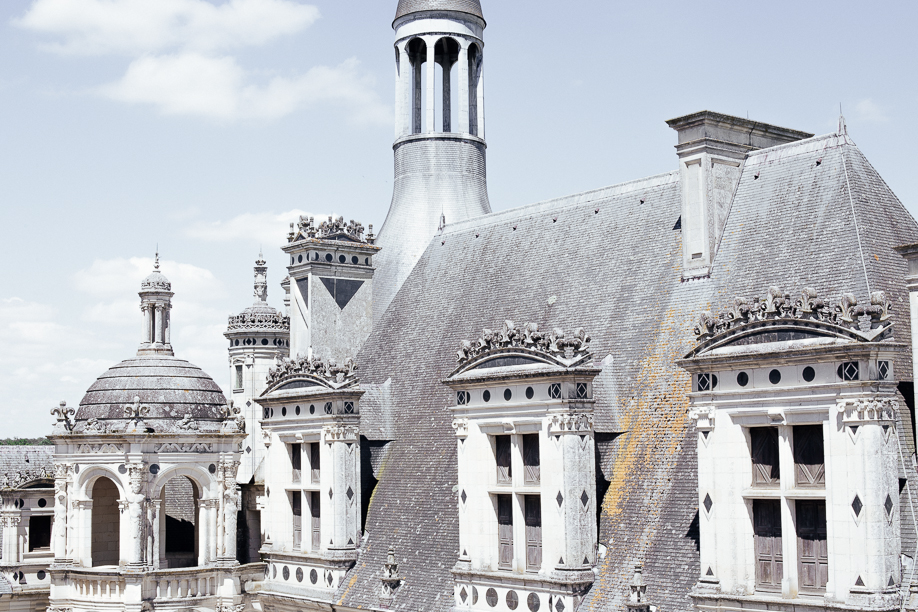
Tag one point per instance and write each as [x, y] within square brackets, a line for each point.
[712, 148]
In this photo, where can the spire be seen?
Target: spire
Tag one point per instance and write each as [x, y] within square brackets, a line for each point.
[261, 279]
[156, 305]
[842, 125]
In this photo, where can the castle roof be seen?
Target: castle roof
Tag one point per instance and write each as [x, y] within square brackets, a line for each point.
[809, 214]
[171, 388]
[406, 7]
[21, 466]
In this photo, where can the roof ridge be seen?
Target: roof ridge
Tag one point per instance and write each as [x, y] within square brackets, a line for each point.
[572, 200]
[799, 147]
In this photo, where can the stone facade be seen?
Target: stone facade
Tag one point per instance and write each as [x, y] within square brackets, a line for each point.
[758, 458]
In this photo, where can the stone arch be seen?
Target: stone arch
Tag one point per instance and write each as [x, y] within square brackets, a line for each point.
[417, 57]
[179, 522]
[105, 525]
[446, 56]
[89, 477]
[202, 479]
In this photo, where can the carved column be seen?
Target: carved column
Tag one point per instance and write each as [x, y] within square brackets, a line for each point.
[207, 531]
[341, 442]
[10, 526]
[82, 519]
[60, 528]
[135, 548]
[167, 325]
[230, 511]
[154, 507]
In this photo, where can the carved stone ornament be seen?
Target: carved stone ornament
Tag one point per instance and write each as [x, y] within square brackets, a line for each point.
[100, 448]
[156, 281]
[778, 305]
[233, 421]
[135, 412]
[15, 480]
[187, 424]
[570, 422]
[64, 416]
[390, 578]
[136, 475]
[556, 343]
[94, 426]
[59, 609]
[333, 229]
[188, 447]
[341, 433]
[868, 410]
[461, 427]
[703, 417]
[326, 370]
[257, 321]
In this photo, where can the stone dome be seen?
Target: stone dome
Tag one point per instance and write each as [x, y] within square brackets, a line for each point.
[406, 7]
[170, 387]
[156, 281]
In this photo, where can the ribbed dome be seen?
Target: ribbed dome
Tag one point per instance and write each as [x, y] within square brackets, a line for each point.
[170, 387]
[406, 7]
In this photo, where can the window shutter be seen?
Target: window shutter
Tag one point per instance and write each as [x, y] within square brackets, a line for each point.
[316, 514]
[505, 531]
[533, 532]
[769, 559]
[812, 549]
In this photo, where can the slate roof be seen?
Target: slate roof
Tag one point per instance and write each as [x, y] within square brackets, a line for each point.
[171, 388]
[406, 7]
[612, 260]
[31, 462]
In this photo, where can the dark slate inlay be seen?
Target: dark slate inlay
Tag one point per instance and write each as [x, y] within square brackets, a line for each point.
[584, 498]
[464, 496]
[857, 505]
[342, 290]
[303, 286]
[559, 499]
[859, 581]
[708, 502]
[888, 505]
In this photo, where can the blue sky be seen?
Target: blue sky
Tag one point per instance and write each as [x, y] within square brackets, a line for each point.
[206, 127]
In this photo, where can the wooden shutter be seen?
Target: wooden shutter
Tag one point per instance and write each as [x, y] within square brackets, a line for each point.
[765, 469]
[812, 549]
[809, 456]
[769, 559]
[297, 503]
[314, 462]
[505, 531]
[532, 469]
[296, 460]
[504, 472]
[533, 532]
[316, 517]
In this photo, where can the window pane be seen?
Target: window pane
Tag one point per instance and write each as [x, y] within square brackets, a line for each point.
[765, 469]
[809, 456]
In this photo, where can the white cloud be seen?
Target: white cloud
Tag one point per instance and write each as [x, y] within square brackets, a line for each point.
[120, 279]
[869, 111]
[218, 88]
[180, 61]
[254, 228]
[134, 27]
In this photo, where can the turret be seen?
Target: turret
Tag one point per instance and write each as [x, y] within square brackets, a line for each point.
[439, 132]
[156, 305]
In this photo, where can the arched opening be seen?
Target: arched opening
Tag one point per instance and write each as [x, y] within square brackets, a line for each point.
[446, 54]
[106, 524]
[475, 61]
[417, 56]
[178, 523]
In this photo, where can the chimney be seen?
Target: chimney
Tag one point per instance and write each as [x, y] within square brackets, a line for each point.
[711, 149]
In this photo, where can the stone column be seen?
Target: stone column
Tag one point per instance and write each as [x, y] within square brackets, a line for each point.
[910, 253]
[147, 323]
[431, 90]
[463, 116]
[206, 530]
[10, 526]
[404, 79]
[154, 514]
[341, 452]
[159, 324]
[447, 102]
[167, 325]
[59, 530]
[481, 109]
[83, 520]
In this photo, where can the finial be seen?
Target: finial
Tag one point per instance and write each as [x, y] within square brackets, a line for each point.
[156, 259]
[842, 125]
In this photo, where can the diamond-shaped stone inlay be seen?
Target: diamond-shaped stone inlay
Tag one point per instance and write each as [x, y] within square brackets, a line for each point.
[584, 498]
[560, 499]
[350, 494]
[249, 404]
[888, 505]
[463, 594]
[857, 505]
[329, 494]
[328, 579]
[248, 449]
[464, 496]
[859, 581]
[708, 502]
[560, 605]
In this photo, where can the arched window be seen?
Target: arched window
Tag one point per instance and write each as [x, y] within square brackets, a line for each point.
[106, 524]
[446, 54]
[475, 61]
[417, 56]
[179, 523]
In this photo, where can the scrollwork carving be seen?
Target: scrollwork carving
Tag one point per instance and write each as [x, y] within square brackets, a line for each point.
[328, 370]
[555, 343]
